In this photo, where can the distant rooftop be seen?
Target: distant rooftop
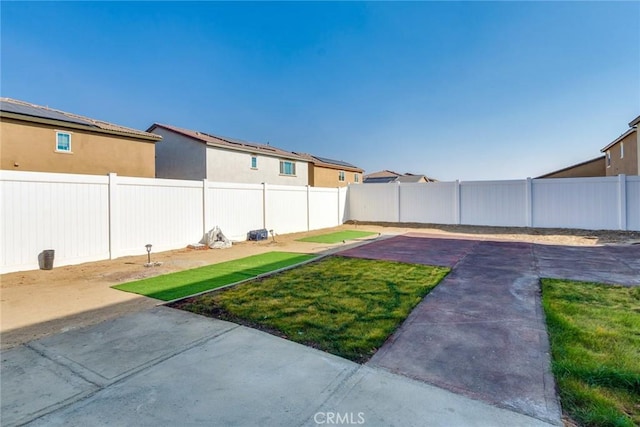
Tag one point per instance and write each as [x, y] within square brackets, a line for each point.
[385, 176]
[28, 110]
[230, 143]
[323, 161]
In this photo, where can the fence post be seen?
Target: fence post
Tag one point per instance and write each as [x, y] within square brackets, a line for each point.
[342, 209]
[338, 221]
[398, 213]
[205, 207]
[308, 208]
[529, 203]
[264, 205]
[456, 203]
[622, 202]
[113, 211]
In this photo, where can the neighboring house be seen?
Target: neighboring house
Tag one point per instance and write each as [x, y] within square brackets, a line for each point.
[325, 172]
[387, 176]
[41, 139]
[593, 167]
[622, 154]
[189, 154]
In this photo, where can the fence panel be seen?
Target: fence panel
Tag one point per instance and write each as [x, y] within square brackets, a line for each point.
[235, 208]
[324, 207]
[589, 203]
[286, 208]
[64, 212]
[166, 213]
[633, 203]
[343, 206]
[499, 203]
[430, 204]
[373, 202]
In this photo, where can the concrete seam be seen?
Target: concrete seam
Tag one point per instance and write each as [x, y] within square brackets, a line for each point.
[99, 387]
[68, 364]
[59, 405]
[340, 392]
[546, 370]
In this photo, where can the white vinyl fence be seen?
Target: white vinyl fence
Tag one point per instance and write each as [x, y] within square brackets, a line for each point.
[607, 203]
[90, 218]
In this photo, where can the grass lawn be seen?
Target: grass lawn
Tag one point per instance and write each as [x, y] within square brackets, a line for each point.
[595, 342]
[344, 306]
[337, 237]
[183, 283]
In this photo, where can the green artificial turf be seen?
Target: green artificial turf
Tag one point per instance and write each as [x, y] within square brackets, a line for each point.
[344, 306]
[595, 342]
[188, 282]
[337, 237]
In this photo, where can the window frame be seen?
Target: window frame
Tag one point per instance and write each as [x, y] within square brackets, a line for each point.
[58, 149]
[356, 177]
[341, 176]
[608, 158]
[254, 162]
[283, 169]
[622, 150]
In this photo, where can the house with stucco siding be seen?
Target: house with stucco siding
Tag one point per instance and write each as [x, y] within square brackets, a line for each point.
[195, 155]
[589, 168]
[36, 138]
[622, 155]
[325, 172]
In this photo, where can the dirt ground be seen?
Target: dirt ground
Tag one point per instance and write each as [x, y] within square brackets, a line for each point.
[38, 303]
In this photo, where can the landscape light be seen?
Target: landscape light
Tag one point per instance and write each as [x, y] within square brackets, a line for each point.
[148, 246]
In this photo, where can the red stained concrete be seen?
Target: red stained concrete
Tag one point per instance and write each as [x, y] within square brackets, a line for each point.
[481, 332]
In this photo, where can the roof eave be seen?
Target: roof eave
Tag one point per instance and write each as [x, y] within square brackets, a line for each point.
[600, 158]
[252, 150]
[281, 154]
[336, 167]
[33, 119]
[618, 139]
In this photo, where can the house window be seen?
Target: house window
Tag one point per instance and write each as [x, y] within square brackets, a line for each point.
[254, 162]
[63, 142]
[622, 150]
[356, 177]
[341, 176]
[287, 168]
[608, 158]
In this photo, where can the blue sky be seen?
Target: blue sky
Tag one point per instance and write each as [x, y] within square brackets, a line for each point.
[454, 90]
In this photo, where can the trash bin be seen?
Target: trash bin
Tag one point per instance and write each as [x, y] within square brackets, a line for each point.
[47, 259]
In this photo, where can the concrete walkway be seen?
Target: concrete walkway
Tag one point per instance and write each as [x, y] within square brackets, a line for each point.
[168, 367]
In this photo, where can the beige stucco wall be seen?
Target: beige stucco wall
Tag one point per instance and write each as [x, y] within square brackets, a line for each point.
[629, 164]
[595, 167]
[32, 147]
[327, 177]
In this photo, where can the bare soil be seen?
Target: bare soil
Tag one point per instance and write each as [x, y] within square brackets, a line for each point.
[37, 303]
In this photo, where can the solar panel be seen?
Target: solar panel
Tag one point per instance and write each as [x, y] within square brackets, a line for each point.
[335, 162]
[379, 179]
[27, 110]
